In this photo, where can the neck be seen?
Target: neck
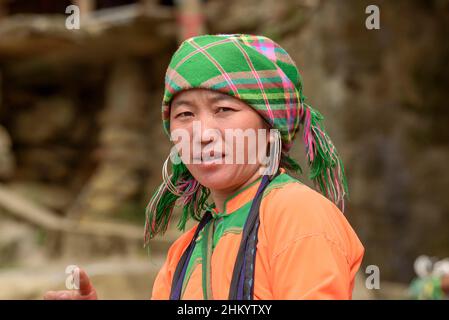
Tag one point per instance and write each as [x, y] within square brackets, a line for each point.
[219, 196]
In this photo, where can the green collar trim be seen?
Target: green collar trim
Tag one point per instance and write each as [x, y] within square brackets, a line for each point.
[231, 197]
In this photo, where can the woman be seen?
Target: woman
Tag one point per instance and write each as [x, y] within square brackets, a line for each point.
[265, 235]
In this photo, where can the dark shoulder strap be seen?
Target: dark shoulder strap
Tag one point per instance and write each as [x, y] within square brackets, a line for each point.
[242, 283]
[181, 268]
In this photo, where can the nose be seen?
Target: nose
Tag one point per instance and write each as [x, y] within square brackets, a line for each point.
[209, 129]
[210, 135]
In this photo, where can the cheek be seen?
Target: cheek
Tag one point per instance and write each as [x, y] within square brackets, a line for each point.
[247, 119]
[182, 137]
[249, 151]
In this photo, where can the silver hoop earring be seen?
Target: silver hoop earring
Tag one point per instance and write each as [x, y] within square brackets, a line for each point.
[166, 177]
[275, 153]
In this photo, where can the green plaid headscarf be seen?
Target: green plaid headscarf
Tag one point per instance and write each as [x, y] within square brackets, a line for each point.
[261, 73]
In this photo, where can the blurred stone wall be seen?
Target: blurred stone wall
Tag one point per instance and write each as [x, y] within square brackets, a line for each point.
[81, 133]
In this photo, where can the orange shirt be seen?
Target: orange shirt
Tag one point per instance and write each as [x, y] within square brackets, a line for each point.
[306, 248]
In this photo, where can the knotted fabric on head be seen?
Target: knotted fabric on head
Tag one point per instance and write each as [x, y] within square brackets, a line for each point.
[258, 71]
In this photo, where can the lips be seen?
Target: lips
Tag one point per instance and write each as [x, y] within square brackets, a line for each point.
[213, 160]
[210, 158]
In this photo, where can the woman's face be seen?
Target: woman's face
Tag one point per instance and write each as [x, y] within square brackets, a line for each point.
[223, 137]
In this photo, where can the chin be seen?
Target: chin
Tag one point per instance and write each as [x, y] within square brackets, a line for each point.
[215, 177]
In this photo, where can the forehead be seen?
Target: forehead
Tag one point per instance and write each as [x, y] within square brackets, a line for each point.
[204, 94]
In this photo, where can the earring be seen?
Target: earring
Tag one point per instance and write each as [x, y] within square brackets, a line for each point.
[166, 177]
[191, 186]
[275, 153]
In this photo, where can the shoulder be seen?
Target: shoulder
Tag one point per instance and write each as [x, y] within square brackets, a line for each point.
[162, 283]
[291, 211]
[287, 199]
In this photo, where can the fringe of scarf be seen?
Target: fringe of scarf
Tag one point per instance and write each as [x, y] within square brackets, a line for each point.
[326, 168]
[190, 195]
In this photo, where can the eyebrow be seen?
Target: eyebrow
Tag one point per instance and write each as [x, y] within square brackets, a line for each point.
[214, 98]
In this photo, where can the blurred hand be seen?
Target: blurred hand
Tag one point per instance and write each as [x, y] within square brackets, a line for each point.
[86, 291]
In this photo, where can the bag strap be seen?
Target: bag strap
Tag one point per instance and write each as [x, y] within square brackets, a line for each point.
[242, 283]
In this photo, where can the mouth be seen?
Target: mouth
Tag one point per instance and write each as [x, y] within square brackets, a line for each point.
[210, 158]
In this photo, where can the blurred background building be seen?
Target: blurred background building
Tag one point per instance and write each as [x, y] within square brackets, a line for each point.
[82, 146]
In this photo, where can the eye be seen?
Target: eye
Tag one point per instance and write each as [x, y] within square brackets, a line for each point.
[224, 109]
[184, 114]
